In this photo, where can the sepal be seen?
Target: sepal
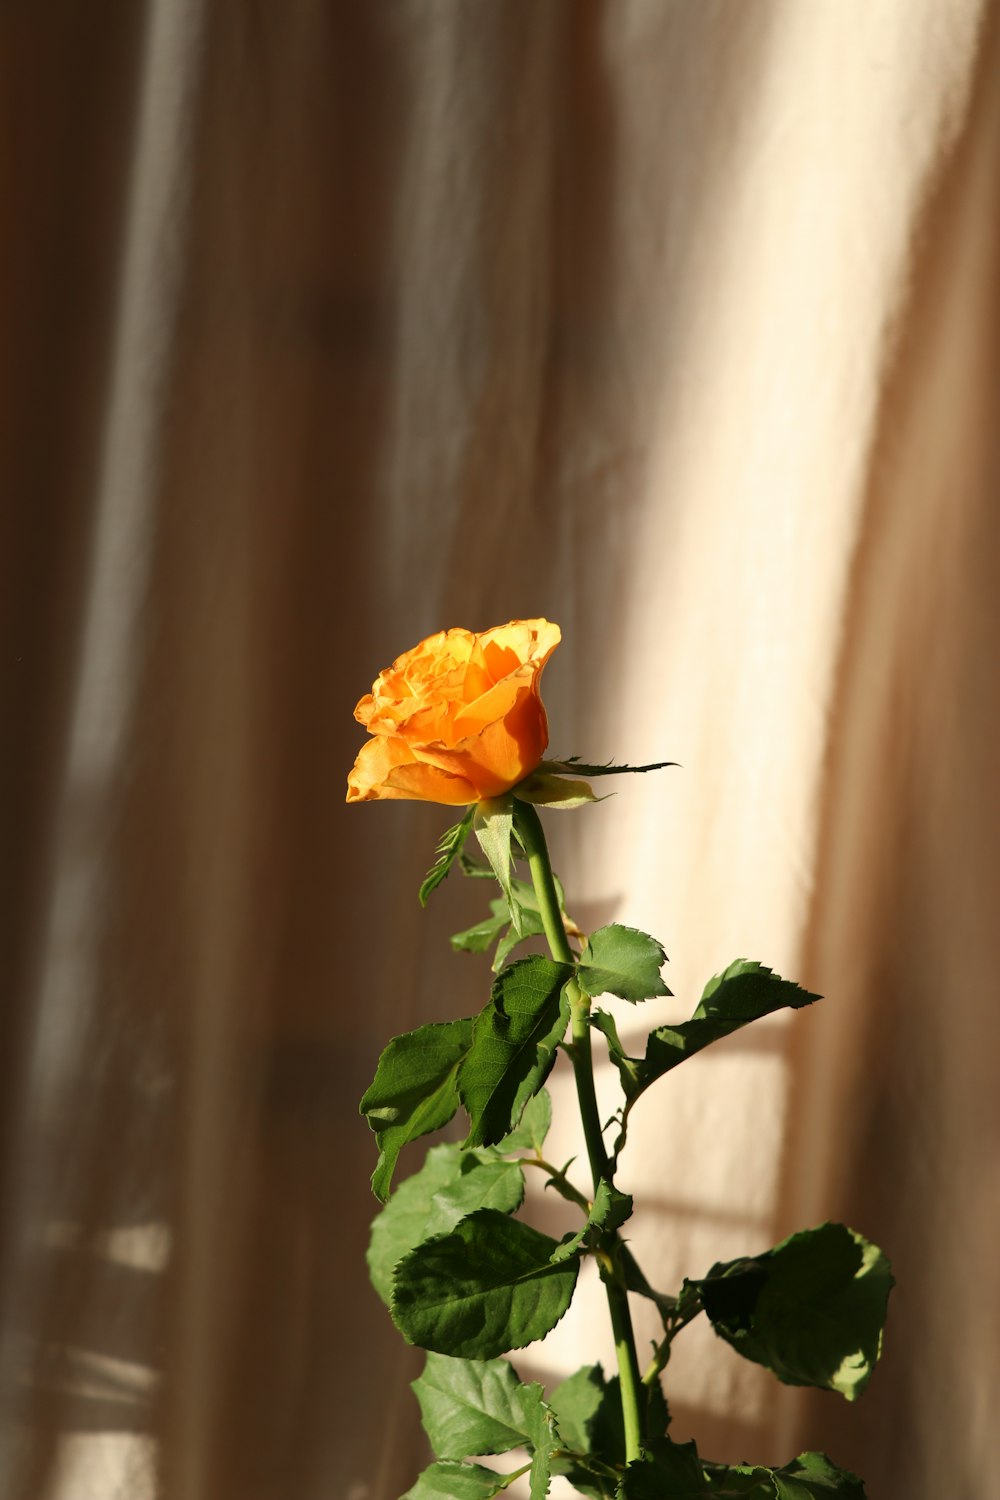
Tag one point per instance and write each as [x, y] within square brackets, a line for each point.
[561, 793]
[449, 848]
[493, 824]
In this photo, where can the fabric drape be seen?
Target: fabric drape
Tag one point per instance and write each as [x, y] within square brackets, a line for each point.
[327, 326]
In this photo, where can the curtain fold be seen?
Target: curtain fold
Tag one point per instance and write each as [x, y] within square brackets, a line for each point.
[327, 326]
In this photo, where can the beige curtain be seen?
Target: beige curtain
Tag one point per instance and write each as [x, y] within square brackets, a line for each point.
[330, 324]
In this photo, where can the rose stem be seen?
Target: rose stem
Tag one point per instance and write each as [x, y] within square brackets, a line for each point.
[530, 828]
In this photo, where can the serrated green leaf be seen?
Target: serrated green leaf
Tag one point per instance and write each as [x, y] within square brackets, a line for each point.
[514, 1043]
[496, 929]
[588, 1476]
[531, 926]
[574, 766]
[402, 1224]
[457, 1481]
[609, 1211]
[447, 851]
[622, 961]
[666, 1471]
[811, 1310]
[523, 890]
[811, 1476]
[588, 1413]
[541, 1470]
[469, 1407]
[815, 1476]
[451, 1184]
[480, 1184]
[530, 1134]
[486, 1287]
[494, 825]
[482, 935]
[741, 1483]
[628, 1067]
[414, 1090]
[744, 992]
[576, 1402]
[577, 1405]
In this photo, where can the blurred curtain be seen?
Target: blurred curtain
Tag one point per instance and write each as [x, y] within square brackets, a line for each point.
[325, 326]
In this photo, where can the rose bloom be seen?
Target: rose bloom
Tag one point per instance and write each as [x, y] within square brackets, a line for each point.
[457, 719]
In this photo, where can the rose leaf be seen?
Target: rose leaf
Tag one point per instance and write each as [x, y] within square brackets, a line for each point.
[624, 962]
[514, 1041]
[488, 1286]
[451, 1184]
[811, 1310]
[414, 1090]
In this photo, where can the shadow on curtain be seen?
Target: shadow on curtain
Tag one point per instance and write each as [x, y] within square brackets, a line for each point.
[326, 326]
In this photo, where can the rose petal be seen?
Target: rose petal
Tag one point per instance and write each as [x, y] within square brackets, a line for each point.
[494, 704]
[426, 783]
[377, 759]
[458, 718]
[529, 640]
[501, 753]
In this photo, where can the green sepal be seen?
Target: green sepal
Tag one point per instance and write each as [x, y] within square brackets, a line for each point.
[494, 825]
[496, 927]
[484, 933]
[471, 1407]
[451, 1184]
[811, 1476]
[546, 789]
[746, 991]
[574, 766]
[488, 1286]
[414, 1090]
[531, 926]
[666, 1471]
[513, 1046]
[622, 961]
[811, 1310]
[478, 937]
[457, 1481]
[449, 848]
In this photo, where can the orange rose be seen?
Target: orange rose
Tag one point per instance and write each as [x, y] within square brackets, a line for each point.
[457, 719]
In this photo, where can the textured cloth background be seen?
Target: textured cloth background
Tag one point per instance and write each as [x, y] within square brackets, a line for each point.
[326, 326]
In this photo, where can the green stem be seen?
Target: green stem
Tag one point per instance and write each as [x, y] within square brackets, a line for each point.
[508, 1479]
[558, 1179]
[529, 827]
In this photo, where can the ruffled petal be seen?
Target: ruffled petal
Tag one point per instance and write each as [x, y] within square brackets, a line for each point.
[500, 754]
[367, 780]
